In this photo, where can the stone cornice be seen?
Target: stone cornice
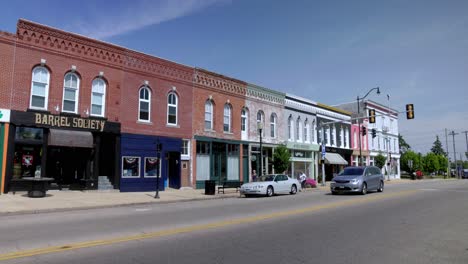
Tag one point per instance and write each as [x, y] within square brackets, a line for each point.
[299, 105]
[216, 81]
[264, 94]
[328, 111]
[84, 47]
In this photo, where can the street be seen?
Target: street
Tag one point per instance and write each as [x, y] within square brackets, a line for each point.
[417, 222]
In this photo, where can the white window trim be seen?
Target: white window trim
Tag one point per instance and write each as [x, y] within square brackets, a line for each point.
[291, 129]
[273, 124]
[176, 105]
[244, 117]
[186, 156]
[144, 167]
[228, 108]
[77, 93]
[46, 101]
[103, 106]
[122, 167]
[144, 100]
[211, 115]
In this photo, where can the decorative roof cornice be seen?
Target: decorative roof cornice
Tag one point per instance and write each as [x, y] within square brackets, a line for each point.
[299, 103]
[332, 112]
[265, 94]
[79, 46]
[219, 82]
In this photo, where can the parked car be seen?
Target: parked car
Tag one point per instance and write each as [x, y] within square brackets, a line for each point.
[358, 180]
[465, 174]
[270, 185]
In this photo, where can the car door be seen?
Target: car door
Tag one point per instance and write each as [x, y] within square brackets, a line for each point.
[369, 179]
[375, 176]
[276, 184]
[282, 181]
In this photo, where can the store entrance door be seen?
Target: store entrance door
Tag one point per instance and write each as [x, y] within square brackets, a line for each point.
[69, 166]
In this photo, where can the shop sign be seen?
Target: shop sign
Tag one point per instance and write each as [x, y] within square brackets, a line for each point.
[4, 115]
[310, 147]
[299, 154]
[71, 122]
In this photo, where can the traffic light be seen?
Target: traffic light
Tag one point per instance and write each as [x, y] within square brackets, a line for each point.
[374, 133]
[409, 111]
[364, 131]
[371, 116]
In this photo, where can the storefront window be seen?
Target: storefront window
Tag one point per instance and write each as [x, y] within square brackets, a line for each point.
[152, 167]
[28, 133]
[27, 161]
[130, 166]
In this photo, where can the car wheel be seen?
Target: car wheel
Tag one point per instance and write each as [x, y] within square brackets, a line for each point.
[381, 186]
[364, 189]
[270, 191]
[293, 189]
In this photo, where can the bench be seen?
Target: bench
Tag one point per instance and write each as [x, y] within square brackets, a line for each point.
[229, 184]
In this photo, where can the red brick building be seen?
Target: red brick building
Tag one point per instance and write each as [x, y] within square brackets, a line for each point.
[84, 111]
[218, 151]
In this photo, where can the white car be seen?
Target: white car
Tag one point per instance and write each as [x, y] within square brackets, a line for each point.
[271, 184]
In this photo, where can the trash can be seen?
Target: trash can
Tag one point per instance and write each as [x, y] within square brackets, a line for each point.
[210, 187]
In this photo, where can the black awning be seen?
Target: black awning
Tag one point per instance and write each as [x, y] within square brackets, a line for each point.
[70, 138]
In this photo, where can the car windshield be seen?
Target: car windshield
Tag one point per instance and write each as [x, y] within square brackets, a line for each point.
[351, 171]
[266, 178]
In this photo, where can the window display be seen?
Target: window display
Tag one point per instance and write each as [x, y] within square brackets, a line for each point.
[130, 166]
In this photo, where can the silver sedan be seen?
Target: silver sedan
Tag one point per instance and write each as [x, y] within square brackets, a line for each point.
[271, 184]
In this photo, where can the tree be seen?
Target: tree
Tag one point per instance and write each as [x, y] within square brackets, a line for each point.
[380, 160]
[403, 145]
[443, 162]
[281, 159]
[437, 148]
[431, 162]
[404, 161]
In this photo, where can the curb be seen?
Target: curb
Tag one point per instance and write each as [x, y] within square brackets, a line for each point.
[55, 210]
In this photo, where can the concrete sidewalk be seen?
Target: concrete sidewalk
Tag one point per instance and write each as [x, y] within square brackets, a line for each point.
[70, 200]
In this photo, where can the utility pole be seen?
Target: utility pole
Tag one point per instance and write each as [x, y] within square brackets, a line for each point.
[446, 146]
[466, 136]
[454, 152]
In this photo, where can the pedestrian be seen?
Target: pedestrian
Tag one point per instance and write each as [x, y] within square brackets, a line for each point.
[254, 175]
[302, 179]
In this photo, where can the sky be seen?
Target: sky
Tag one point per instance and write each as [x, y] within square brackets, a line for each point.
[327, 51]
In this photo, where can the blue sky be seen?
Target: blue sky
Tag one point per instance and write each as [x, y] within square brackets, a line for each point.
[328, 51]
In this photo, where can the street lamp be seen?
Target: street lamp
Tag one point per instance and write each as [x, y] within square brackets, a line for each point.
[359, 120]
[260, 129]
[158, 151]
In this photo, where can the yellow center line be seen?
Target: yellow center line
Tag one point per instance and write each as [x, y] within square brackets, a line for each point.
[188, 229]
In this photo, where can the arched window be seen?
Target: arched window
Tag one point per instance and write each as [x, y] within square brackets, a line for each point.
[144, 106]
[273, 125]
[227, 118]
[244, 119]
[209, 115]
[71, 84]
[172, 103]
[39, 88]
[298, 129]
[306, 131]
[261, 120]
[290, 128]
[98, 97]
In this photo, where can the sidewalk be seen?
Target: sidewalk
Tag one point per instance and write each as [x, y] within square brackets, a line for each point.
[70, 200]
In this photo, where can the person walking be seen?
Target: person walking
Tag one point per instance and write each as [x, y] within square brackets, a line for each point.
[302, 179]
[254, 175]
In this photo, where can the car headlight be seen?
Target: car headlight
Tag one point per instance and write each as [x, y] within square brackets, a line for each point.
[354, 181]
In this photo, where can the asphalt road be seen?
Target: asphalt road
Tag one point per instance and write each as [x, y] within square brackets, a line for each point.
[423, 222]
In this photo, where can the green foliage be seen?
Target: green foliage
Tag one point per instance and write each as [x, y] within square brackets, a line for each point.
[437, 148]
[281, 159]
[380, 160]
[431, 162]
[403, 145]
[443, 162]
[410, 155]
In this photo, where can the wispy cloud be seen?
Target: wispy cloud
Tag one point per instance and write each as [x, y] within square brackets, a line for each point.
[138, 14]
